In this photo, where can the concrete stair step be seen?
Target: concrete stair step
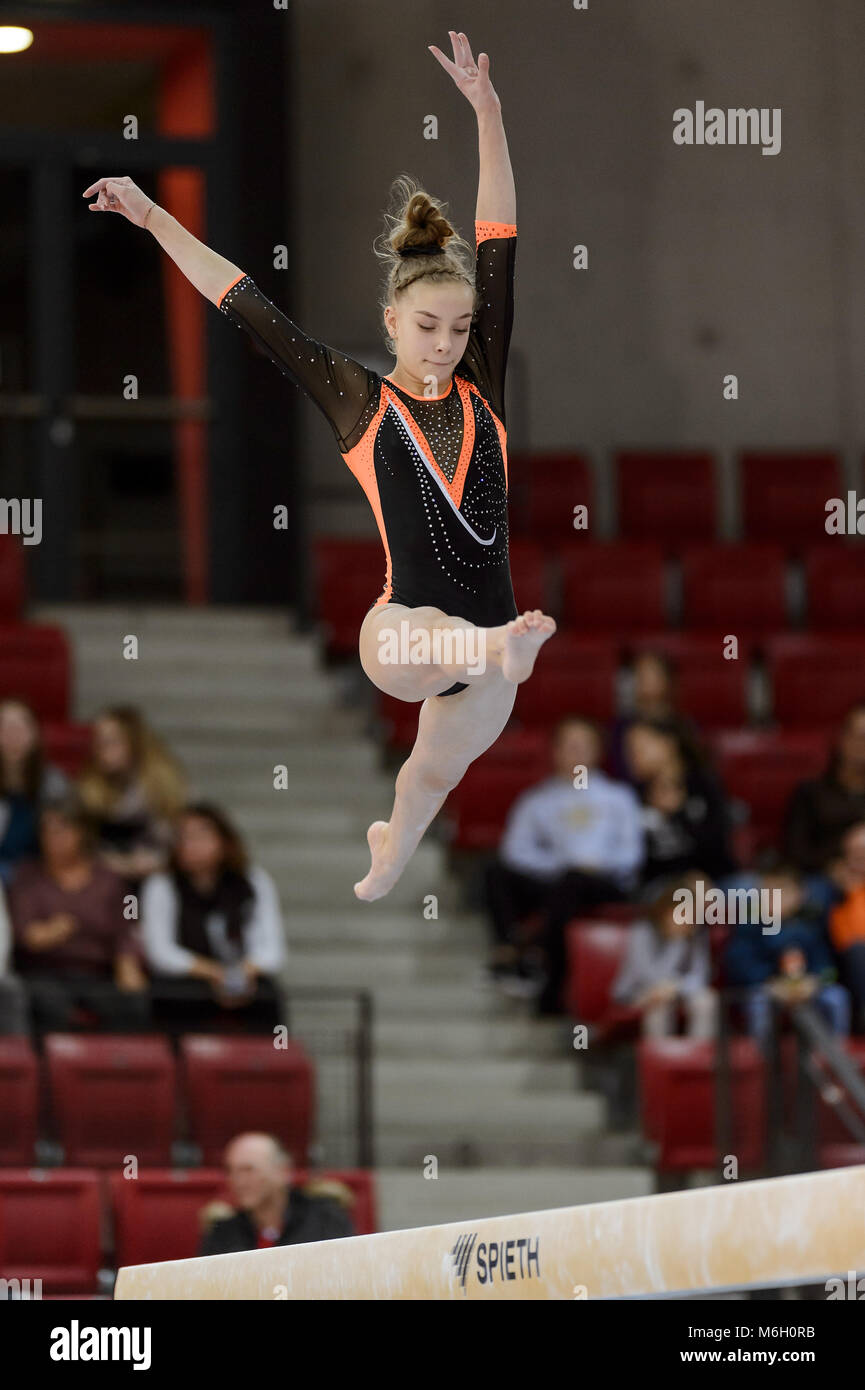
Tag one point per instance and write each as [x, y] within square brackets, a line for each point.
[228, 623]
[386, 927]
[378, 967]
[406, 1199]
[468, 1039]
[432, 1000]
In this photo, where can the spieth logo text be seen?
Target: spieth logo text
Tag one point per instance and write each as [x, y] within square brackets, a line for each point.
[496, 1261]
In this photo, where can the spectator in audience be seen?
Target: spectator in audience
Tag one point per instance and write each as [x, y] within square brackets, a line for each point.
[791, 964]
[685, 819]
[652, 695]
[667, 967]
[847, 915]
[74, 944]
[134, 790]
[26, 782]
[212, 930]
[13, 1000]
[271, 1210]
[570, 843]
[820, 810]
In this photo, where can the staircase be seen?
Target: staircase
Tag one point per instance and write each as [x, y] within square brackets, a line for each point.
[461, 1075]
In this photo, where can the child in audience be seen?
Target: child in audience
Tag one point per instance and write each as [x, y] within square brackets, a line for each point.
[790, 964]
[667, 967]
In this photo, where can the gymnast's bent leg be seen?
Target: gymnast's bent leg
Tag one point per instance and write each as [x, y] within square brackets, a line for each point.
[453, 729]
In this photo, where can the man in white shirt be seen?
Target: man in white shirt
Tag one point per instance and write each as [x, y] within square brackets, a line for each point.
[570, 843]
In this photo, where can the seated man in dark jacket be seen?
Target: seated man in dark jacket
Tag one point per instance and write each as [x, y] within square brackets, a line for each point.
[270, 1211]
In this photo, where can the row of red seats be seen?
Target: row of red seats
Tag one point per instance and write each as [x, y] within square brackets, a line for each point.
[622, 587]
[812, 682]
[114, 1095]
[62, 1225]
[677, 1079]
[672, 496]
[759, 768]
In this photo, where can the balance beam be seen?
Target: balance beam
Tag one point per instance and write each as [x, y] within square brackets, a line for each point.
[804, 1228]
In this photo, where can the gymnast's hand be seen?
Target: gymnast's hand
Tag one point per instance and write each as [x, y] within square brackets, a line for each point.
[472, 79]
[120, 195]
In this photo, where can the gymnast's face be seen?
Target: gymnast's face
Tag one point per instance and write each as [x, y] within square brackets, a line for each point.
[429, 325]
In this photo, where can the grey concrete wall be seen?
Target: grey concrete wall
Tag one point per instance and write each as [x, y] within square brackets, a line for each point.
[702, 261]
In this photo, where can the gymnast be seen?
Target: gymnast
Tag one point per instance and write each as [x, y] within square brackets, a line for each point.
[427, 443]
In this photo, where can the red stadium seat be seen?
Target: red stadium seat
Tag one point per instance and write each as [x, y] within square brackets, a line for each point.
[479, 805]
[11, 579]
[50, 1227]
[595, 951]
[543, 491]
[529, 575]
[784, 495]
[677, 1096]
[815, 680]
[712, 690]
[350, 576]
[19, 1101]
[247, 1083]
[616, 588]
[35, 666]
[398, 720]
[667, 497]
[112, 1096]
[737, 587]
[573, 676]
[67, 745]
[157, 1214]
[835, 580]
[762, 767]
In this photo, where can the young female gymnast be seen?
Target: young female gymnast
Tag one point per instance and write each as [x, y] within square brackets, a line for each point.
[427, 443]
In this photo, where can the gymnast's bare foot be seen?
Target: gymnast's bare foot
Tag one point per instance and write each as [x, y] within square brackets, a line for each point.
[384, 873]
[523, 638]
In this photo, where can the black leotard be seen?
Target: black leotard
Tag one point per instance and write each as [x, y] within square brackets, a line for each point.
[433, 468]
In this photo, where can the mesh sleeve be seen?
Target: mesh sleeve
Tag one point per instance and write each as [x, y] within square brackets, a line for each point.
[486, 354]
[341, 387]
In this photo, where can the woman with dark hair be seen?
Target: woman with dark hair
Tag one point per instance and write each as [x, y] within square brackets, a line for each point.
[75, 938]
[427, 443]
[212, 931]
[26, 782]
[821, 810]
[685, 818]
[651, 695]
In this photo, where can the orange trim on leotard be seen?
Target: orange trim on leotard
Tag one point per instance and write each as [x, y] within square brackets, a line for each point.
[485, 230]
[361, 461]
[228, 287]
